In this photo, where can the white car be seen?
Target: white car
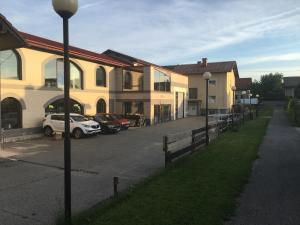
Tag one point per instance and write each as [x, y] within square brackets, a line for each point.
[79, 125]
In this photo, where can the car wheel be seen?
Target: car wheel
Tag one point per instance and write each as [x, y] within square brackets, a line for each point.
[48, 131]
[77, 133]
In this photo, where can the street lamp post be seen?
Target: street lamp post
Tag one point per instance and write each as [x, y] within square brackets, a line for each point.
[233, 88]
[251, 116]
[66, 9]
[207, 76]
[243, 95]
[257, 96]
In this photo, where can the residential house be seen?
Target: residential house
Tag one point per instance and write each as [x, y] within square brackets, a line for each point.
[143, 87]
[290, 84]
[242, 84]
[220, 94]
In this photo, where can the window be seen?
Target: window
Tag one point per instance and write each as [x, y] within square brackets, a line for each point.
[58, 117]
[162, 82]
[141, 83]
[127, 107]
[54, 74]
[11, 113]
[140, 107]
[162, 113]
[101, 106]
[101, 77]
[193, 93]
[10, 65]
[212, 82]
[58, 106]
[128, 80]
[212, 99]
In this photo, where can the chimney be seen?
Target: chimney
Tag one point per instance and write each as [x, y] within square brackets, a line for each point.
[204, 62]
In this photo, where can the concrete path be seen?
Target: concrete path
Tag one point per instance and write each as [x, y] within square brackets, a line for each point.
[272, 196]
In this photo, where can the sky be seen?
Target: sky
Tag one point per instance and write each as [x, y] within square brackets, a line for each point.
[263, 36]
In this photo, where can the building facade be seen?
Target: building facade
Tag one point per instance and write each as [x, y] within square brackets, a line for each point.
[108, 82]
[242, 84]
[32, 85]
[220, 97]
[290, 85]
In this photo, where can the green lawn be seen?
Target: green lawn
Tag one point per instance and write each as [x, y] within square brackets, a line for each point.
[198, 189]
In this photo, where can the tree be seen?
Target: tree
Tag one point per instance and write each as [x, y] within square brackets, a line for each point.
[271, 87]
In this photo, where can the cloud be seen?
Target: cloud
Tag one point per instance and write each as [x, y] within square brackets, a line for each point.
[168, 31]
[270, 58]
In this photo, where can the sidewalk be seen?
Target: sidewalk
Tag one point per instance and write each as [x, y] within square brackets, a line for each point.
[272, 196]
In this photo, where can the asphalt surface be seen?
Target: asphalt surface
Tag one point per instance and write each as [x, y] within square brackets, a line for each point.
[31, 184]
[272, 196]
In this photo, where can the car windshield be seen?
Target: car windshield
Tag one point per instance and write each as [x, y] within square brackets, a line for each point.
[117, 117]
[79, 118]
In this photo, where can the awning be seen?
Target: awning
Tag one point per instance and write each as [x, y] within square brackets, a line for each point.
[9, 36]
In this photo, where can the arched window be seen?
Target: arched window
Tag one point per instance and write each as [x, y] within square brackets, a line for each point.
[101, 106]
[11, 113]
[58, 106]
[10, 65]
[101, 77]
[54, 74]
[128, 80]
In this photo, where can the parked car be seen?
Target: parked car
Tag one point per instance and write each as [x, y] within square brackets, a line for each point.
[108, 124]
[124, 123]
[79, 125]
[136, 120]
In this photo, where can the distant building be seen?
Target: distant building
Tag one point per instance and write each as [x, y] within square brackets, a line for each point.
[290, 84]
[220, 97]
[242, 84]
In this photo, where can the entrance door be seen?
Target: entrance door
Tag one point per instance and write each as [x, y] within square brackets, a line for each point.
[193, 109]
[179, 105]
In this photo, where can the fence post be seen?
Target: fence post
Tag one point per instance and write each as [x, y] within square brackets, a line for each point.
[165, 148]
[116, 182]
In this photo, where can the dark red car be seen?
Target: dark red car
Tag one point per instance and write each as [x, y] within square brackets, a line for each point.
[124, 123]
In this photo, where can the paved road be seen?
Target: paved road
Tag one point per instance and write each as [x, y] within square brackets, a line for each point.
[272, 196]
[31, 188]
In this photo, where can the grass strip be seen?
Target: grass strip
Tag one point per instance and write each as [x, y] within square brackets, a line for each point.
[200, 188]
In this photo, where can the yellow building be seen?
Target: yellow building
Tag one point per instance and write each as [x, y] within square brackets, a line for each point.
[109, 82]
[220, 94]
[32, 85]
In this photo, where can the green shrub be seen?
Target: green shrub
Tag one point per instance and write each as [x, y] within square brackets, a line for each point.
[294, 111]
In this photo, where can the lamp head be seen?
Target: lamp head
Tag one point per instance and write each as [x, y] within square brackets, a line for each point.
[233, 88]
[65, 8]
[207, 75]
[250, 95]
[257, 96]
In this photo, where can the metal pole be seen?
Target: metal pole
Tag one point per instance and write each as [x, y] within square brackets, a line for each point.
[250, 109]
[206, 114]
[233, 98]
[1, 134]
[243, 109]
[67, 141]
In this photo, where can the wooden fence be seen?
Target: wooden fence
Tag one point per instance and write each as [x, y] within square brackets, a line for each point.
[175, 145]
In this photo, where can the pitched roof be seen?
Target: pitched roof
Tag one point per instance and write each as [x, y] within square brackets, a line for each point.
[57, 47]
[291, 81]
[199, 68]
[10, 37]
[134, 62]
[243, 83]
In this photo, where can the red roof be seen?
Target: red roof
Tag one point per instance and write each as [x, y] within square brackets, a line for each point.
[243, 84]
[49, 45]
[10, 38]
[199, 68]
